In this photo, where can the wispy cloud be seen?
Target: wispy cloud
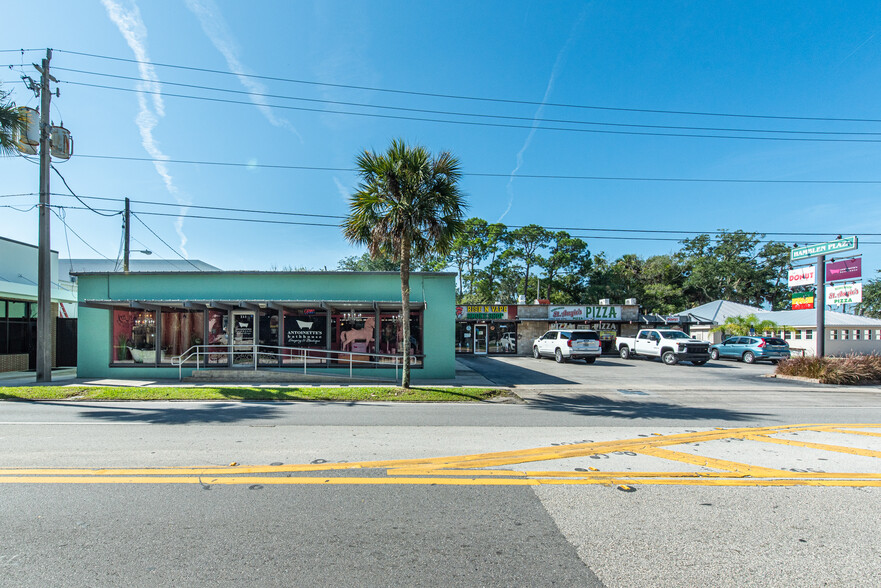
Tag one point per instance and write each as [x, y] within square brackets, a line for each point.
[539, 112]
[214, 26]
[345, 193]
[127, 19]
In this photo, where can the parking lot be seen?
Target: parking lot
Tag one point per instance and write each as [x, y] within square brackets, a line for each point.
[717, 383]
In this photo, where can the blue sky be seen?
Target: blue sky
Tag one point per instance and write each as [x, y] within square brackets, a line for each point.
[791, 59]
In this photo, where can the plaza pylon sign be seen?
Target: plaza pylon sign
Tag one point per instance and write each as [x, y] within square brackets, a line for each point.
[837, 246]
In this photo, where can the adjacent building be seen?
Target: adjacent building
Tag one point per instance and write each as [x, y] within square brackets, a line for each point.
[845, 333]
[18, 309]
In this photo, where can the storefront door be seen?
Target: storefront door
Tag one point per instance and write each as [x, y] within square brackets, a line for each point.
[480, 346]
[243, 332]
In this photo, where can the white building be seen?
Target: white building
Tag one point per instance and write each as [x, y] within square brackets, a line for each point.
[845, 333]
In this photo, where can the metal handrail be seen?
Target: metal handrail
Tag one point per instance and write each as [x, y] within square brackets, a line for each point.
[258, 350]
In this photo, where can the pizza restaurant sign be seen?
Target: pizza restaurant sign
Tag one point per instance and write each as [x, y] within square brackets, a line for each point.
[584, 313]
[481, 312]
[844, 294]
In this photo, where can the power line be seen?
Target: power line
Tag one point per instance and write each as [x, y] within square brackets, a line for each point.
[340, 217]
[77, 235]
[164, 243]
[479, 124]
[66, 185]
[593, 237]
[440, 112]
[490, 175]
[472, 98]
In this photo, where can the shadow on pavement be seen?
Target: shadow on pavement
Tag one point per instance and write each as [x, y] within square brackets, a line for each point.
[597, 406]
[215, 412]
[506, 374]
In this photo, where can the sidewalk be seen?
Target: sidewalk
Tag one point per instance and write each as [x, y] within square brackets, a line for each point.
[465, 376]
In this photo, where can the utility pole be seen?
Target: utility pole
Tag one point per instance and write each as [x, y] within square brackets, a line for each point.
[44, 265]
[127, 226]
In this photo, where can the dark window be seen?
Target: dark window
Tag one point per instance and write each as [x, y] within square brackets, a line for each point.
[565, 335]
[774, 341]
[589, 335]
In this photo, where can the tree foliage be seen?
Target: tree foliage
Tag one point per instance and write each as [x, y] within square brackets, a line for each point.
[748, 325]
[10, 124]
[407, 209]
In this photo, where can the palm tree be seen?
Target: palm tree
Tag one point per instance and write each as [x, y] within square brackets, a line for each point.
[408, 207]
[10, 125]
[747, 325]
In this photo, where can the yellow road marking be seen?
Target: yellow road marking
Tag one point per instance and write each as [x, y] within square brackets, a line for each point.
[467, 469]
[822, 446]
[866, 433]
[710, 462]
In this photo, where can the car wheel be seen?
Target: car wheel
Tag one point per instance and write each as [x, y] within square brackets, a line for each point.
[589, 360]
[670, 358]
[749, 357]
[701, 362]
[558, 355]
[535, 353]
[624, 352]
[714, 354]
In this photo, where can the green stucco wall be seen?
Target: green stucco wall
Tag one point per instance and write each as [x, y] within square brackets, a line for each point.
[94, 345]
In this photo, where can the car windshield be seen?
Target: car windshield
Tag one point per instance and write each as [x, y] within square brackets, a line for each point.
[674, 335]
[576, 335]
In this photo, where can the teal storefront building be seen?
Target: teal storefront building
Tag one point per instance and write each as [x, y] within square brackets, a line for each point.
[143, 324]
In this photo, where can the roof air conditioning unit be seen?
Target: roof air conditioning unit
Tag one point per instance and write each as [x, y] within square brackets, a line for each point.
[604, 302]
[630, 301]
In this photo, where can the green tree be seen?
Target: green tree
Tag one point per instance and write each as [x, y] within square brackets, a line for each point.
[408, 207]
[10, 124]
[524, 245]
[747, 325]
[566, 268]
[368, 263]
[470, 247]
[731, 266]
[871, 304]
[486, 288]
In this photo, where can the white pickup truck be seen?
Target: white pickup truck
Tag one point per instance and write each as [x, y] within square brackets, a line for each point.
[670, 345]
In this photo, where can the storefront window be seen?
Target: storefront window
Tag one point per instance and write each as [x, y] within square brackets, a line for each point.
[181, 330]
[218, 337]
[267, 333]
[134, 336]
[502, 338]
[464, 338]
[304, 329]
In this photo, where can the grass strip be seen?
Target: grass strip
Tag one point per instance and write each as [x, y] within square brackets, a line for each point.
[330, 393]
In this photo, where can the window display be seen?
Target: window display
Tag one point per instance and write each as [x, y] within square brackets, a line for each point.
[218, 338]
[181, 330]
[134, 336]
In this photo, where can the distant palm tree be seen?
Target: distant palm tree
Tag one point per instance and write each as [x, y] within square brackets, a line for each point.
[408, 207]
[10, 125]
[747, 325]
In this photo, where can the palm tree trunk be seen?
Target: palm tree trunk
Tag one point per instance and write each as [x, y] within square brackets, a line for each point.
[405, 311]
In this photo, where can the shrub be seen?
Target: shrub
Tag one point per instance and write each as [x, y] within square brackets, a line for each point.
[851, 369]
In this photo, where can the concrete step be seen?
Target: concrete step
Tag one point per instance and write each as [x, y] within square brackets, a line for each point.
[267, 375]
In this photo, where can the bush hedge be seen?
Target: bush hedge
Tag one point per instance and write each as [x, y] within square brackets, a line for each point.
[851, 369]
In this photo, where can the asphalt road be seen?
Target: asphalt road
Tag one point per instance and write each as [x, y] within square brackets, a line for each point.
[501, 494]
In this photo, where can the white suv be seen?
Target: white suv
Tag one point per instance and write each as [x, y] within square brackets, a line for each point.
[564, 344]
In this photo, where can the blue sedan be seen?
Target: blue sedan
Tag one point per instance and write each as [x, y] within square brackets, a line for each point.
[751, 349]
